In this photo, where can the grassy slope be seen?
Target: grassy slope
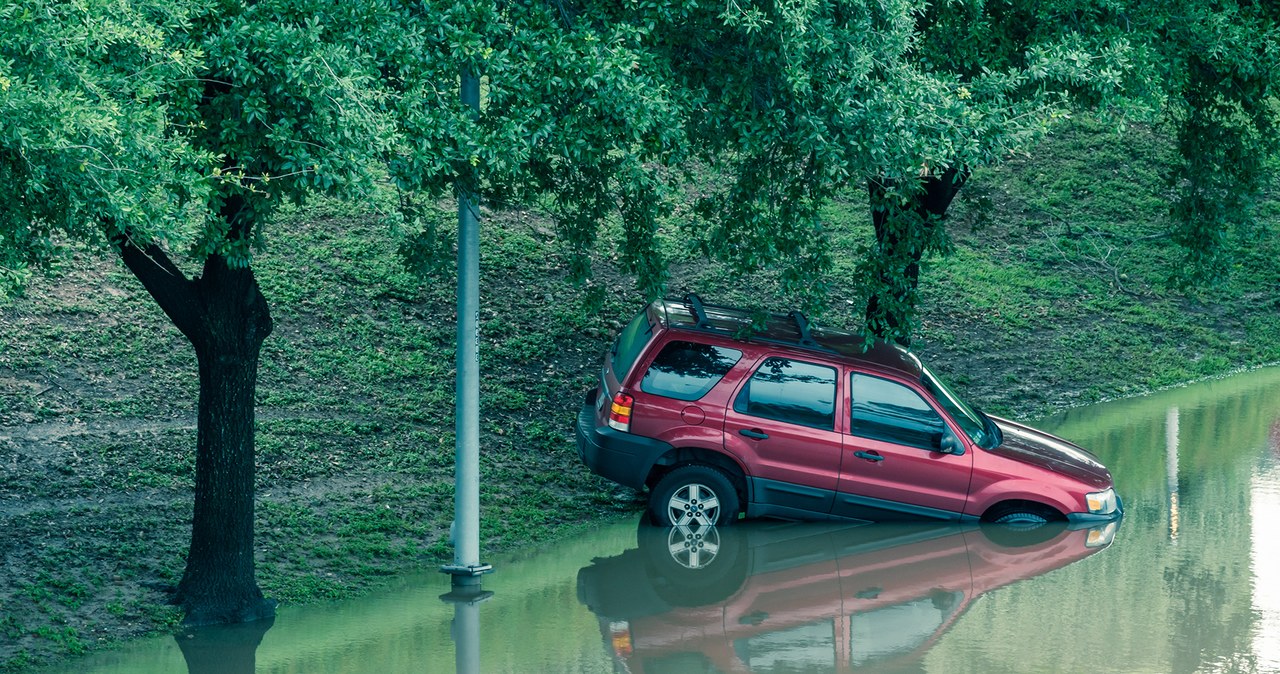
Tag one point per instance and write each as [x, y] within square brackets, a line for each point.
[1055, 296]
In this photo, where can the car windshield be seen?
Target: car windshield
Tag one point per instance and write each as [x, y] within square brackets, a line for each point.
[971, 421]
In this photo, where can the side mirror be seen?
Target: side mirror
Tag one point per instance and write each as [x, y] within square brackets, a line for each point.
[950, 444]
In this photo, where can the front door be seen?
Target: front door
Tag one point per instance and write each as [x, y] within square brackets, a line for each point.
[783, 424]
[892, 463]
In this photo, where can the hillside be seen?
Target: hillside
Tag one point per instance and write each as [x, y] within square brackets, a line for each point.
[1055, 296]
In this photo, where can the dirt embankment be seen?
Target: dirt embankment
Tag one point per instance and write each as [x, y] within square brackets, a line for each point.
[354, 413]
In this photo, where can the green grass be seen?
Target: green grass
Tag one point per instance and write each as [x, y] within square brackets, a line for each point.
[1062, 260]
[1056, 295]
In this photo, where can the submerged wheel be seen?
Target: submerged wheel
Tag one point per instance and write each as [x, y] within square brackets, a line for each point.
[694, 495]
[1022, 517]
[1022, 535]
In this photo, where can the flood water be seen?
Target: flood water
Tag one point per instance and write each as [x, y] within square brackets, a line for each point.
[1188, 582]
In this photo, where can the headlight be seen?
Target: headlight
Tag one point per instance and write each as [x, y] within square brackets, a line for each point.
[1101, 502]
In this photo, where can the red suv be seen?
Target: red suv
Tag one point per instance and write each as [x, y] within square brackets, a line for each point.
[720, 420]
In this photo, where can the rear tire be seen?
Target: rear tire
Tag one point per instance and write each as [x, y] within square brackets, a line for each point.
[695, 495]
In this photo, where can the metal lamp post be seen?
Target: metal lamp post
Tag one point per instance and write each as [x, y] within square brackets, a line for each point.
[465, 532]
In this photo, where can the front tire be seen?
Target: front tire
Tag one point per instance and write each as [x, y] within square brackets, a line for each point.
[694, 496]
[1022, 515]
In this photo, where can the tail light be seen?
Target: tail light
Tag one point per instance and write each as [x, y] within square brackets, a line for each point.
[620, 638]
[620, 413]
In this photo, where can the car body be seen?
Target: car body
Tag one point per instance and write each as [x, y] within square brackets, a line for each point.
[810, 597]
[720, 417]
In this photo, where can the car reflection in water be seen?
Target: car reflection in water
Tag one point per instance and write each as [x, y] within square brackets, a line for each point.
[767, 597]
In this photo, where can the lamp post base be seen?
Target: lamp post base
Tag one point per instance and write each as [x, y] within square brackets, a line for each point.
[466, 576]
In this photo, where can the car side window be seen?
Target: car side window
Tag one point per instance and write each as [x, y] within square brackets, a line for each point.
[687, 370]
[792, 391]
[890, 412]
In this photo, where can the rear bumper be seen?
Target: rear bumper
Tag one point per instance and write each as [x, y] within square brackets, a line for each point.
[612, 454]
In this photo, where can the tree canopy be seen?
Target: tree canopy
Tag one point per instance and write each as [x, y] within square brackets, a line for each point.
[791, 104]
[1220, 62]
[86, 137]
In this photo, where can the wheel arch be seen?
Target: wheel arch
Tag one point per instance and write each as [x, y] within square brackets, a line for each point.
[1039, 494]
[683, 456]
[1051, 512]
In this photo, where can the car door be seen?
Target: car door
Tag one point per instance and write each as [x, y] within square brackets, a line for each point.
[893, 463]
[783, 424]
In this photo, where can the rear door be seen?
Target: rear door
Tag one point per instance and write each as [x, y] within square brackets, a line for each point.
[783, 424]
[892, 463]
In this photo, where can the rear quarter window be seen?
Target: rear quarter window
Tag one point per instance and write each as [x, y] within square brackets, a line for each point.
[688, 370]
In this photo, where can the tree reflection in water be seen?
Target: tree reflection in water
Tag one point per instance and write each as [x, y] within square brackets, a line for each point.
[223, 649]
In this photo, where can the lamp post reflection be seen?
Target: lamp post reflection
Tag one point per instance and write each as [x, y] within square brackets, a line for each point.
[465, 629]
[1171, 419]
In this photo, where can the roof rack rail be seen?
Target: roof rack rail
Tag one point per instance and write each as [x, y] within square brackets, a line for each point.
[703, 322]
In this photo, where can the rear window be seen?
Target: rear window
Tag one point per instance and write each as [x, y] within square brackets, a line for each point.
[686, 370]
[630, 343]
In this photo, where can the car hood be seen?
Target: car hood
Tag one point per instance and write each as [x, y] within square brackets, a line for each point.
[1026, 444]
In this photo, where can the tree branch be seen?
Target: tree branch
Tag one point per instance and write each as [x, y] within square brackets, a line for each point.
[167, 285]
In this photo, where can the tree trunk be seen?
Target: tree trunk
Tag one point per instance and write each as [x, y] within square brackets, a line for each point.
[226, 318]
[903, 233]
[219, 585]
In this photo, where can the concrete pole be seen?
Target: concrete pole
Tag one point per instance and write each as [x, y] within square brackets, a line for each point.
[465, 533]
[1171, 468]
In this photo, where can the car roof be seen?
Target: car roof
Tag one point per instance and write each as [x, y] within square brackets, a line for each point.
[790, 330]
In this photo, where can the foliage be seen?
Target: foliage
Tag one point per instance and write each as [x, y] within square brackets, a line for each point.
[788, 105]
[605, 107]
[85, 134]
[1224, 59]
[601, 109]
[573, 111]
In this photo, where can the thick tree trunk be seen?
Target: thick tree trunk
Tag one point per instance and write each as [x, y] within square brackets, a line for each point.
[219, 585]
[903, 234]
[226, 318]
